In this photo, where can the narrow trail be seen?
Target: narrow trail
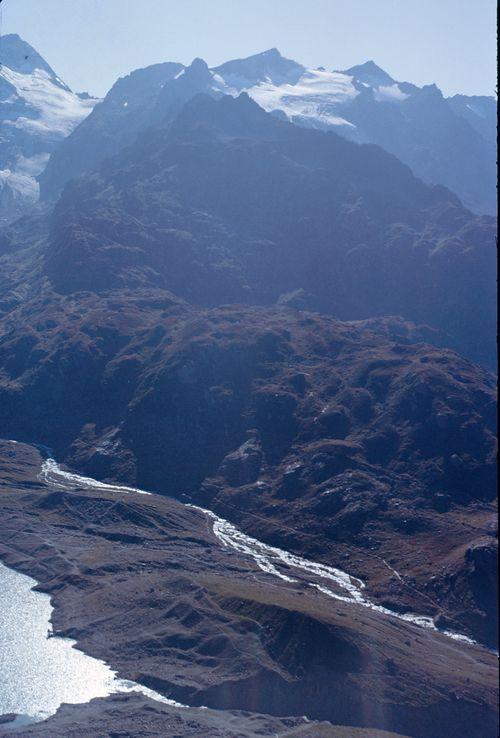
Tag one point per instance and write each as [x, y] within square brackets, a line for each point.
[288, 567]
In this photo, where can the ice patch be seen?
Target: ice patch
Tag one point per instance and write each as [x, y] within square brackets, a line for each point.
[57, 109]
[21, 179]
[23, 188]
[390, 93]
[316, 96]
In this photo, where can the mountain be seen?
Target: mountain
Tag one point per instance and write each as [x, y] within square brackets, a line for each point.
[268, 66]
[173, 322]
[113, 124]
[444, 141]
[37, 111]
[479, 110]
[257, 323]
[370, 74]
[418, 125]
[323, 438]
[217, 206]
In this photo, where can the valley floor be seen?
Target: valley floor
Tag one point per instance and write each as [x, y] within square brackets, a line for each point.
[144, 583]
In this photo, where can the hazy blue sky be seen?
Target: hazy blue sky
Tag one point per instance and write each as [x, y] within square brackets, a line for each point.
[92, 42]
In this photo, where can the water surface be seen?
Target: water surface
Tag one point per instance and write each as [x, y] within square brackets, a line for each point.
[39, 672]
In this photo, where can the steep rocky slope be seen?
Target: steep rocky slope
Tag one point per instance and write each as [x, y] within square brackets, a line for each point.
[479, 110]
[228, 204]
[113, 124]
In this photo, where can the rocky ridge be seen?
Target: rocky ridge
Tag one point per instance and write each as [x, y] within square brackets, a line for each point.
[447, 141]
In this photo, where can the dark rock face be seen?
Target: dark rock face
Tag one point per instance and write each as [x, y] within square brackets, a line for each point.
[370, 73]
[175, 93]
[479, 110]
[268, 65]
[243, 465]
[230, 196]
[436, 138]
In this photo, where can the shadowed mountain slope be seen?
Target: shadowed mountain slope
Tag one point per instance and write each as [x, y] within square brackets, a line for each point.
[113, 124]
[228, 204]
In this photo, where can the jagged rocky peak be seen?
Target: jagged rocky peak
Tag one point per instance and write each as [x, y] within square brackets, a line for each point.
[371, 74]
[193, 80]
[363, 103]
[480, 111]
[112, 125]
[141, 84]
[19, 56]
[197, 71]
[268, 66]
[236, 117]
[432, 91]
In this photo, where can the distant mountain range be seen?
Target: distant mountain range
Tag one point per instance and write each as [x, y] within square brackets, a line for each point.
[449, 141]
[37, 111]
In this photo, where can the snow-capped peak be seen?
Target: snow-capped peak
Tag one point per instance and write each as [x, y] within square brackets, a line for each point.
[37, 110]
[315, 99]
[20, 57]
[268, 66]
[49, 108]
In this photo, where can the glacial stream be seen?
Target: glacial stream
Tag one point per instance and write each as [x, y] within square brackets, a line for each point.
[330, 581]
[39, 671]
